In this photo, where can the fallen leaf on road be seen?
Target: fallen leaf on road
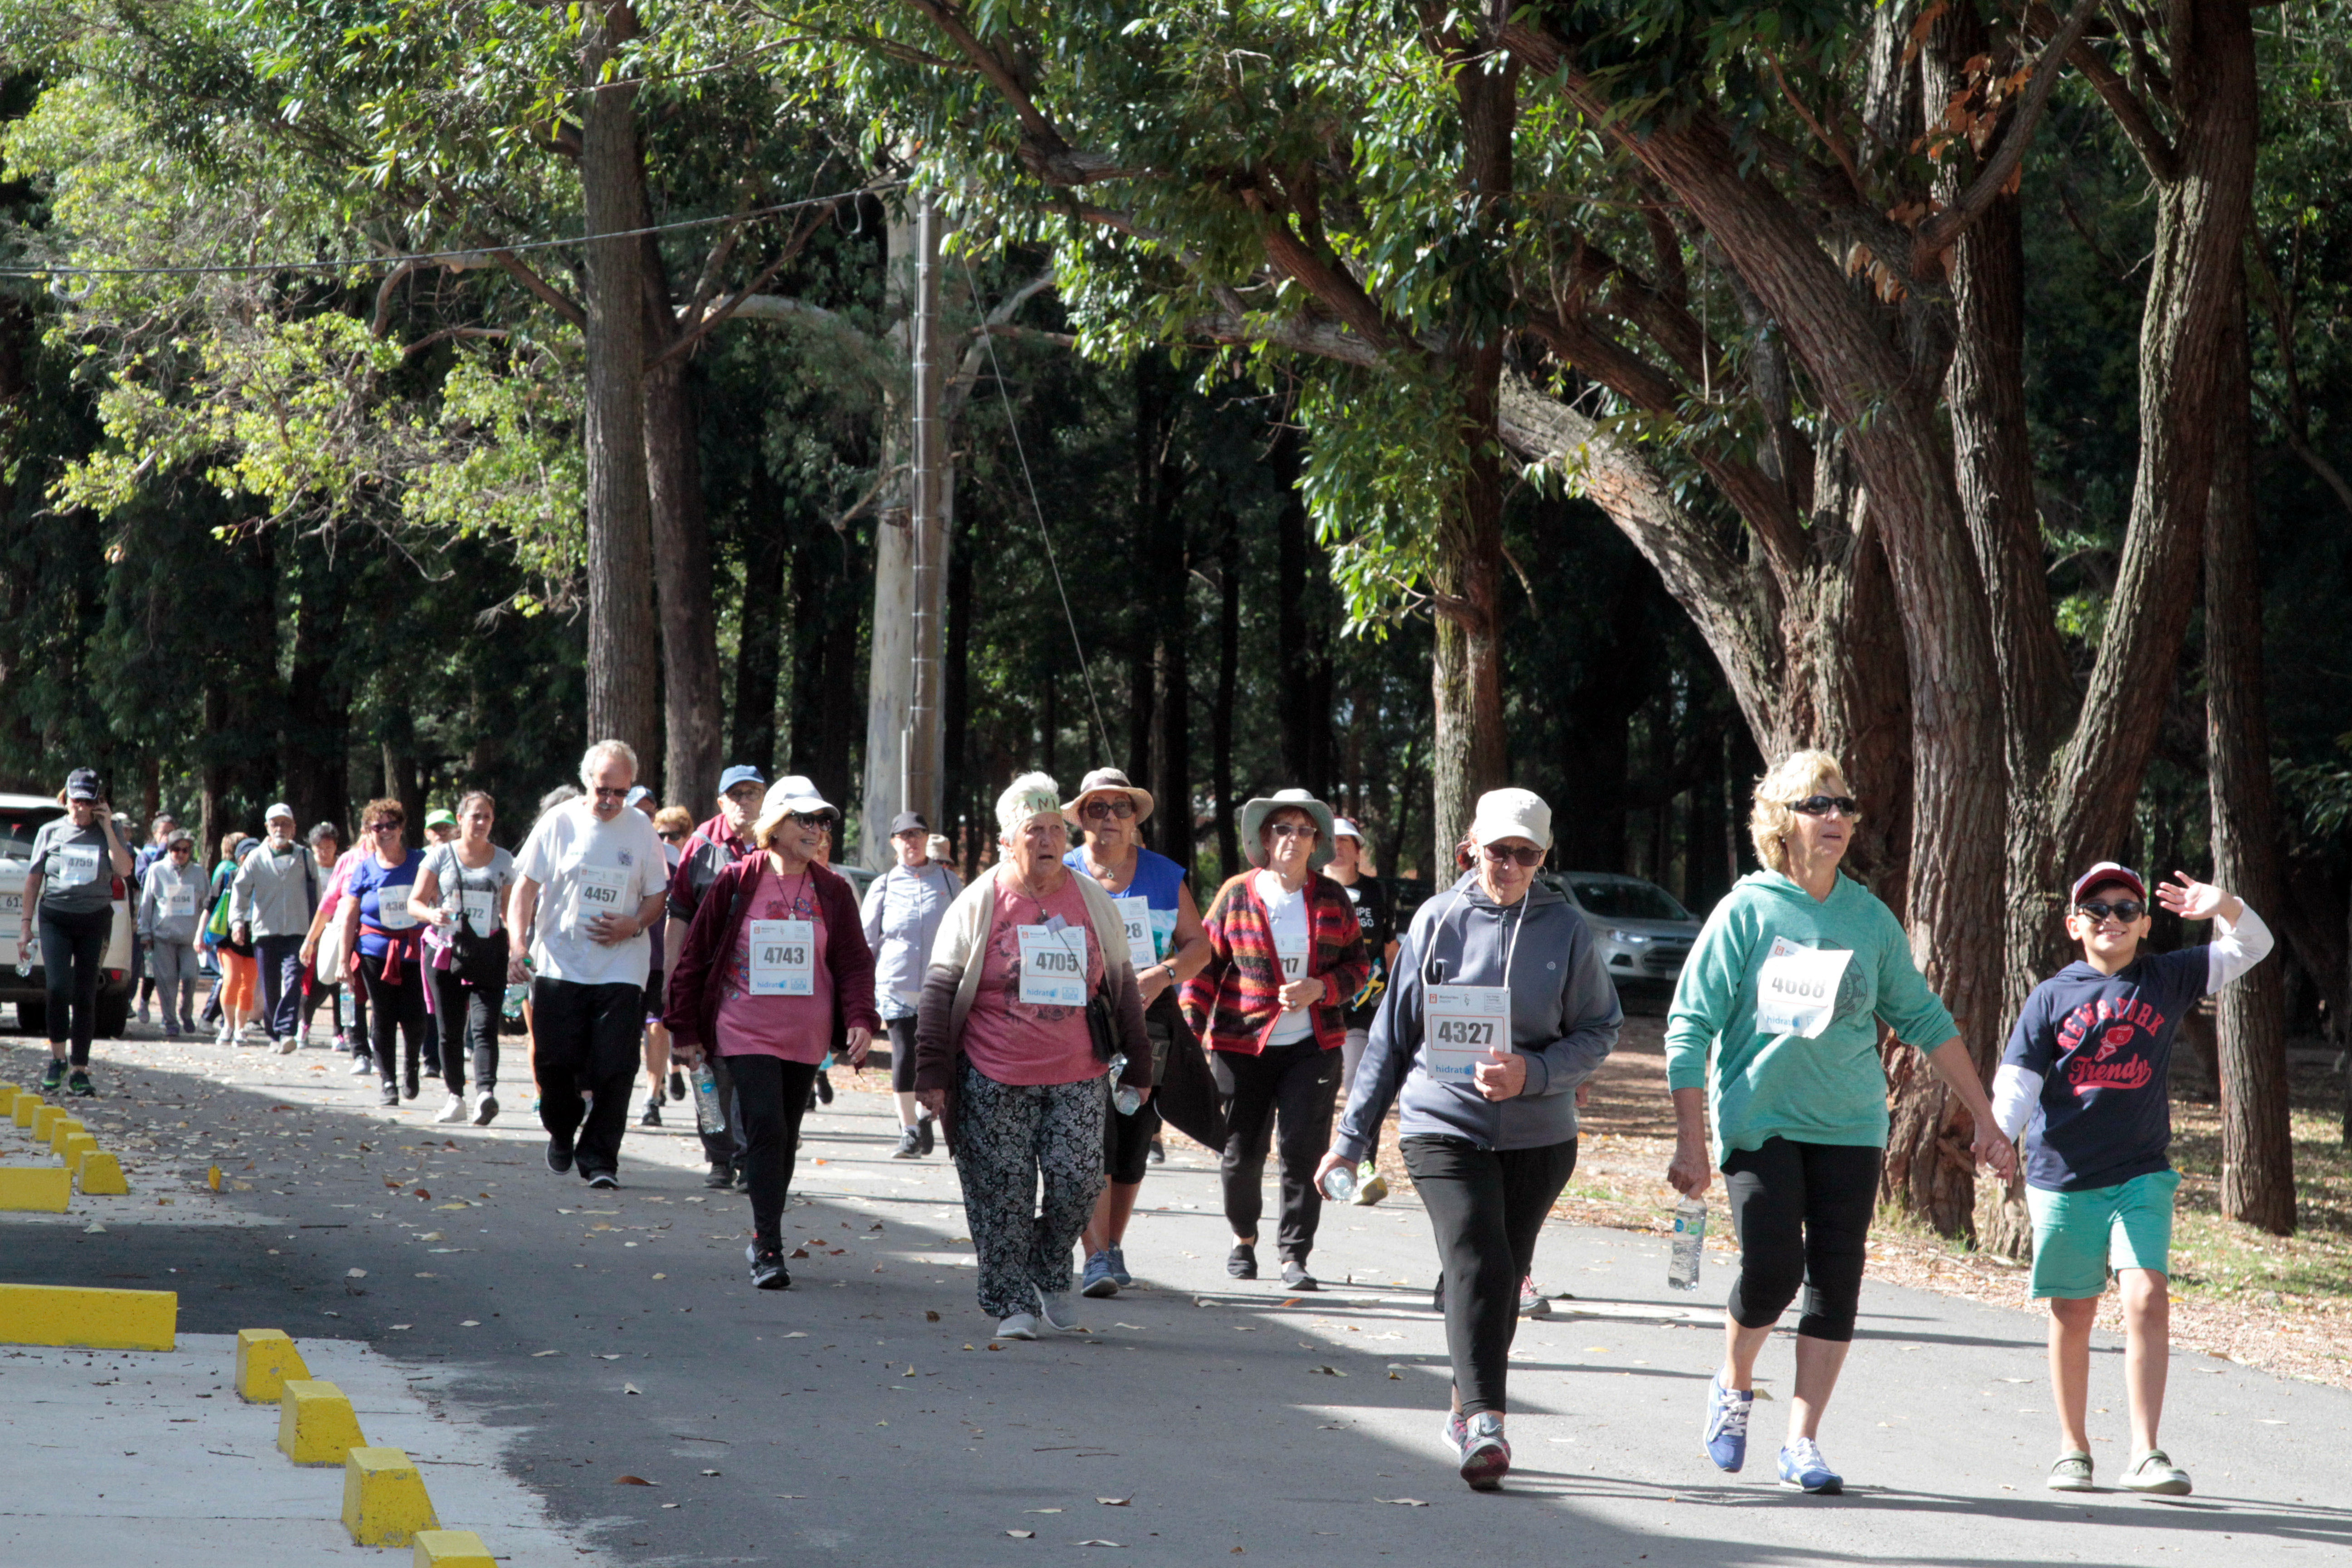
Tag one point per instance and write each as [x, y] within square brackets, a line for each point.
[1114, 1502]
[211, 1177]
[631, 1388]
[536, 1354]
[797, 1252]
[711, 1472]
[1136, 1326]
[94, 1228]
[1328, 1371]
[1402, 1502]
[930, 1317]
[403, 1325]
[601, 1355]
[471, 1323]
[355, 1273]
[797, 1334]
[1022, 1534]
[669, 1505]
[633, 1481]
[432, 1236]
[422, 1195]
[661, 1275]
[1101, 1543]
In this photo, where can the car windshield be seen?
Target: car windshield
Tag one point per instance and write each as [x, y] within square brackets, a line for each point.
[16, 830]
[1627, 901]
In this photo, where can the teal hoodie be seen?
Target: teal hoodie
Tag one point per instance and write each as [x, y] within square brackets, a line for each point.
[1766, 1081]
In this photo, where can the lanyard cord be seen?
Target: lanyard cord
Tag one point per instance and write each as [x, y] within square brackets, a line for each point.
[1511, 948]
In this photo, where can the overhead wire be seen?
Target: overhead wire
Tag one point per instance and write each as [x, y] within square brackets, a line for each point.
[1038, 507]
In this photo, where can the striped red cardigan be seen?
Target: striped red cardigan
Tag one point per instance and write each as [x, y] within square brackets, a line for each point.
[1235, 1003]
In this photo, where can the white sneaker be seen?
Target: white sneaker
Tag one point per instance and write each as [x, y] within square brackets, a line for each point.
[486, 1108]
[1054, 1311]
[362, 1066]
[453, 1112]
[1019, 1326]
[226, 1035]
[288, 1044]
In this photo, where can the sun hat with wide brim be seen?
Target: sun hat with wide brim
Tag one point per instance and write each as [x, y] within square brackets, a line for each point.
[1253, 817]
[791, 793]
[1106, 781]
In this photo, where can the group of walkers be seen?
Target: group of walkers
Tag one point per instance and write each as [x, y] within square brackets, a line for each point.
[1046, 1020]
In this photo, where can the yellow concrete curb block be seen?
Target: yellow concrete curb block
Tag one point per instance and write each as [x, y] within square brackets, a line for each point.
[266, 1358]
[44, 1119]
[73, 1146]
[89, 1320]
[384, 1498]
[27, 1106]
[100, 1174]
[8, 1092]
[63, 1128]
[451, 1549]
[315, 1424]
[45, 1187]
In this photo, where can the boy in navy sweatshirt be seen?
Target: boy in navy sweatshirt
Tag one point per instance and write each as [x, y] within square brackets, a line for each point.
[2083, 1079]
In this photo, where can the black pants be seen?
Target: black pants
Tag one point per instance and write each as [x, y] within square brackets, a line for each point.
[585, 1039]
[73, 945]
[1283, 1095]
[395, 1008]
[469, 1017]
[1487, 1207]
[279, 959]
[770, 1093]
[322, 995]
[1802, 1213]
[902, 1053]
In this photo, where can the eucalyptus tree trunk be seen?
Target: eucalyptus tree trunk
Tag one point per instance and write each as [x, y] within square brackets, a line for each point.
[691, 706]
[622, 655]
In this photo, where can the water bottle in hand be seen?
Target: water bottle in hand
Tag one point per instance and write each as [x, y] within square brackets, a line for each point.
[28, 953]
[1690, 1240]
[709, 1110]
[1124, 1098]
[1339, 1182]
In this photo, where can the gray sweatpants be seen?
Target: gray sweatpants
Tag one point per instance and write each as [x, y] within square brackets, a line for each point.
[174, 966]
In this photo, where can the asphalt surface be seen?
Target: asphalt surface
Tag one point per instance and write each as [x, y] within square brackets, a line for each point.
[866, 1417]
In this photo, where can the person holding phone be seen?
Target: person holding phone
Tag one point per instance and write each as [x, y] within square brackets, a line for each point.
[76, 863]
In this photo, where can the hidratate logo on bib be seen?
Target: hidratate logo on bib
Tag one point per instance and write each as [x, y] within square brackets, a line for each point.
[1460, 1024]
[784, 958]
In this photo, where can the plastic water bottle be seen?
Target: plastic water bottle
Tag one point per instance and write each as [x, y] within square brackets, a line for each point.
[1124, 1098]
[1690, 1241]
[1339, 1182]
[28, 953]
[710, 1110]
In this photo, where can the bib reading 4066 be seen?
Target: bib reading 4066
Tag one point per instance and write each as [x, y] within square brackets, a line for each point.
[1796, 989]
[596, 891]
[1460, 1024]
[1053, 965]
[784, 958]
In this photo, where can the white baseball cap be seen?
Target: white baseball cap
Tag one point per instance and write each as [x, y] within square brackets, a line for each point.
[277, 811]
[1511, 814]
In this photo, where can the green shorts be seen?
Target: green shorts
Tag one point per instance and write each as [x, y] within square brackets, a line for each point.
[2079, 1235]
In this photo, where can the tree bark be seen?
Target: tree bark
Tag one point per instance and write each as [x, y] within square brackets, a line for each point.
[2250, 1022]
[621, 651]
[691, 706]
[1221, 713]
[759, 647]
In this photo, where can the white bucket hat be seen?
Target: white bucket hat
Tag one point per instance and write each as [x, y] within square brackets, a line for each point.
[1511, 814]
[1107, 781]
[1253, 817]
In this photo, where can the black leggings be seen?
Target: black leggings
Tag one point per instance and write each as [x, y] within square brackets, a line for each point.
[393, 1007]
[73, 944]
[469, 1016]
[1292, 1086]
[1487, 1207]
[770, 1093]
[1802, 1214]
[902, 1053]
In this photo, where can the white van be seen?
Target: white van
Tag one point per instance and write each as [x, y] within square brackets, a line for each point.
[21, 816]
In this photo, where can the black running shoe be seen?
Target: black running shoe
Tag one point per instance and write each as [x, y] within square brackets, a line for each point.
[1158, 1152]
[652, 1117]
[768, 1270]
[924, 1133]
[408, 1087]
[559, 1153]
[53, 1077]
[721, 1177]
[1241, 1261]
[676, 1085]
[79, 1083]
[823, 1089]
[603, 1181]
[1295, 1276]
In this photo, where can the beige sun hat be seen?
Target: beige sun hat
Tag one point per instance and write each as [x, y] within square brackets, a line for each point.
[1253, 817]
[1107, 781]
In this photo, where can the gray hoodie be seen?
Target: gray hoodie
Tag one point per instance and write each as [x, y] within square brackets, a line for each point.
[1564, 1021]
[156, 896]
[276, 890]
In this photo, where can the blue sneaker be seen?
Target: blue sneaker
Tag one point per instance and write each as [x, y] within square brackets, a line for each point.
[1118, 1266]
[1803, 1466]
[1098, 1280]
[1726, 1433]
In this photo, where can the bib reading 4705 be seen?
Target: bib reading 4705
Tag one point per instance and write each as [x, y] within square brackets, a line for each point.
[1053, 965]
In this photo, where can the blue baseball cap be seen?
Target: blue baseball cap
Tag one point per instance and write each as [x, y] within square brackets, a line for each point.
[741, 772]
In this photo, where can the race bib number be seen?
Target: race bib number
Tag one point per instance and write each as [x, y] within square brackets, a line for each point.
[596, 891]
[1052, 966]
[481, 909]
[77, 865]
[178, 903]
[1460, 1024]
[1135, 914]
[784, 958]
[1796, 989]
[393, 912]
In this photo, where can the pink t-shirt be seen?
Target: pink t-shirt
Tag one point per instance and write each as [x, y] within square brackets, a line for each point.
[796, 1028]
[1020, 1042]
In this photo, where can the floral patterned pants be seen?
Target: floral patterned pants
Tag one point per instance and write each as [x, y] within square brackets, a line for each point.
[1007, 1136]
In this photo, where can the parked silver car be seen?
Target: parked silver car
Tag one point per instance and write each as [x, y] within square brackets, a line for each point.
[1642, 934]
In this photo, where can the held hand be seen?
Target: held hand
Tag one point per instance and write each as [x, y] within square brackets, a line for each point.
[861, 1039]
[2191, 900]
[1501, 1076]
[1298, 993]
[934, 1101]
[1691, 1172]
[1994, 1151]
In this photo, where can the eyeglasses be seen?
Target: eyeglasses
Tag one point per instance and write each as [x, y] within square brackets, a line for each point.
[747, 796]
[1525, 854]
[621, 793]
[1104, 810]
[386, 827]
[812, 819]
[1295, 830]
[2124, 910]
[1822, 804]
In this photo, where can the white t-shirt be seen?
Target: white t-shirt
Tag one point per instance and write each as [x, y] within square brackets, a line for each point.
[1286, 913]
[585, 867]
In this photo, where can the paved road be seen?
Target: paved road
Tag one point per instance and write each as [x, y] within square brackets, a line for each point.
[863, 1416]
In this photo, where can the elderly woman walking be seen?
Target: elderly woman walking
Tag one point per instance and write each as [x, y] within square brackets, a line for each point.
[1010, 1062]
[1497, 1012]
[1774, 1032]
[1286, 954]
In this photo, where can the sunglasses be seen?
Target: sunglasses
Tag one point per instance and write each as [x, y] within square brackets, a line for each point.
[621, 793]
[1104, 810]
[1526, 855]
[813, 819]
[2124, 910]
[1295, 830]
[383, 826]
[1822, 804]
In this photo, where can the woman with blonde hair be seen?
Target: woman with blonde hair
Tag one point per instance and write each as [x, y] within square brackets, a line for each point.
[1773, 1034]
